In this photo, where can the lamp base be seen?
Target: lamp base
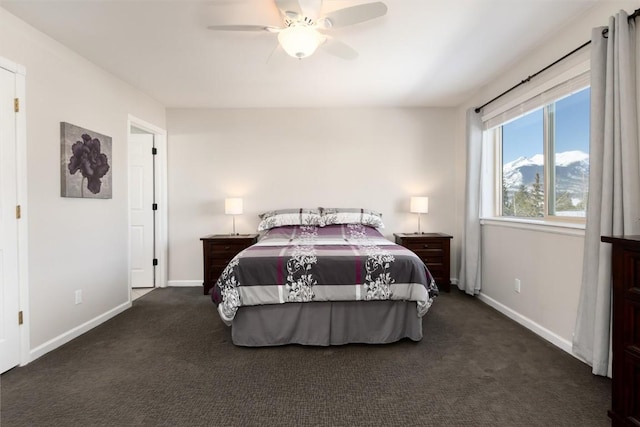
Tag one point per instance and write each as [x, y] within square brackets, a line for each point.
[419, 227]
[233, 233]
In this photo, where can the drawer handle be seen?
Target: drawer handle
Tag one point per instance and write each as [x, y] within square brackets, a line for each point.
[226, 248]
[426, 260]
[426, 246]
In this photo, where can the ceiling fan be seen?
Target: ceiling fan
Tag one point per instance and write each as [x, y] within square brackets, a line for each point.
[305, 28]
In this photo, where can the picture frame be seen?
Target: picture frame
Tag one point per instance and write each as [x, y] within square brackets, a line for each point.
[85, 163]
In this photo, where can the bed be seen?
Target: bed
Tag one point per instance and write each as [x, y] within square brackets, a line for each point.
[323, 281]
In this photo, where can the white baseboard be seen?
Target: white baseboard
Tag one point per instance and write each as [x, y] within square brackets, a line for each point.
[184, 283]
[545, 333]
[56, 342]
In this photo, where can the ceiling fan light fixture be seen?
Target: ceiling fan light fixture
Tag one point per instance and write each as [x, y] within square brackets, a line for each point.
[300, 41]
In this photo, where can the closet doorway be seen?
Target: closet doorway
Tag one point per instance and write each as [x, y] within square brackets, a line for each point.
[147, 206]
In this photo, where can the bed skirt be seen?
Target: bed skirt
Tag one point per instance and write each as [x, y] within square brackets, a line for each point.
[326, 323]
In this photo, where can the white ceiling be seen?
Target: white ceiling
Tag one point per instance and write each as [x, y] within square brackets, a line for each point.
[422, 53]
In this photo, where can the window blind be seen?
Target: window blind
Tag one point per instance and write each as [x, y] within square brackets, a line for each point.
[548, 96]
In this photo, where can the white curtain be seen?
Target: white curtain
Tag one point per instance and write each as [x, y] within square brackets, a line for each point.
[614, 180]
[470, 270]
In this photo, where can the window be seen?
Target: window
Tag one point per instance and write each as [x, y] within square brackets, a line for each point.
[522, 166]
[543, 159]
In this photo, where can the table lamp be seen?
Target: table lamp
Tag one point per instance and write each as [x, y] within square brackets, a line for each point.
[233, 206]
[419, 205]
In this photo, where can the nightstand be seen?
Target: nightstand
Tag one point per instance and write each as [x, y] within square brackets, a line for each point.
[434, 250]
[218, 250]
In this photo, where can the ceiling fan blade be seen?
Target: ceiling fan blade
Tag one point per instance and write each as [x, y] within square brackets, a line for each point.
[353, 15]
[289, 8]
[244, 28]
[339, 49]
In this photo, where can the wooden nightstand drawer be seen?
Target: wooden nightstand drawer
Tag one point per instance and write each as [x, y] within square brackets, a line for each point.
[221, 262]
[438, 275]
[218, 251]
[224, 248]
[419, 244]
[213, 274]
[431, 259]
[434, 250]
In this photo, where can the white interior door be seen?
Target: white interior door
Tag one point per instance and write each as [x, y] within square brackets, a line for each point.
[9, 286]
[141, 189]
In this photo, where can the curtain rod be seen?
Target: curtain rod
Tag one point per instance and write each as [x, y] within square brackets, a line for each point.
[604, 33]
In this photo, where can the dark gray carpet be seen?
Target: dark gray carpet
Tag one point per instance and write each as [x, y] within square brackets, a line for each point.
[169, 361]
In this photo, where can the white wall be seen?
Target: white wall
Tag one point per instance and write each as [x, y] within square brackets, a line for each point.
[73, 243]
[548, 264]
[287, 158]
[549, 267]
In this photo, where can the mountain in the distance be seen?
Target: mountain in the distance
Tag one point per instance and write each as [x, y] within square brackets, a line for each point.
[572, 173]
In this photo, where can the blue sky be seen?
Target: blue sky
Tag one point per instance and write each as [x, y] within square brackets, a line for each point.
[523, 137]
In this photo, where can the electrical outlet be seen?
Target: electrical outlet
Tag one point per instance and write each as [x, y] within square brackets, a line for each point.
[79, 296]
[516, 285]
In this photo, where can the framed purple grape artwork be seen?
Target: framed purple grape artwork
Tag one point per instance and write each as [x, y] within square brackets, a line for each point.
[85, 163]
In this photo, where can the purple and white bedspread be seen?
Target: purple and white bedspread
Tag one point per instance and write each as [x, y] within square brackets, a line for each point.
[347, 262]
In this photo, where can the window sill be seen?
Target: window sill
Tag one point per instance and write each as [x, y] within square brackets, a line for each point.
[554, 227]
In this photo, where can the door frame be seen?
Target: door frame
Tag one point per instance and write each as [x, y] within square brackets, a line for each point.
[21, 193]
[160, 179]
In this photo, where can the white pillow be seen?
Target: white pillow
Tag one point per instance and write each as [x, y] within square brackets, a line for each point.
[330, 216]
[284, 217]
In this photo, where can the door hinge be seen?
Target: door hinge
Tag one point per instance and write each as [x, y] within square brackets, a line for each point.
[154, 207]
[18, 212]
[155, 261]
[154, 151]
[16, 105]
[20, 319]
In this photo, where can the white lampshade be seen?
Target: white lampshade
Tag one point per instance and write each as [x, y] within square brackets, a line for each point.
[419, 204]
[233, 206]
[300, 40]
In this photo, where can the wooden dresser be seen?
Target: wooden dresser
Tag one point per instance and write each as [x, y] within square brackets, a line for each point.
[218, 250]
[625, 392]
[434, 250]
